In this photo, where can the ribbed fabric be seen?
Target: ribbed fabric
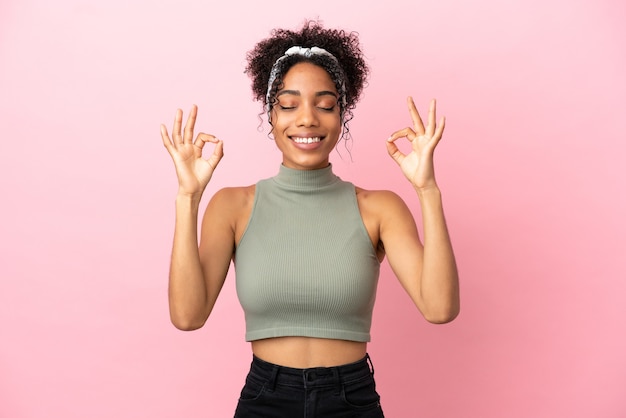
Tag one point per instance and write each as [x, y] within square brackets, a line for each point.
[305, 265]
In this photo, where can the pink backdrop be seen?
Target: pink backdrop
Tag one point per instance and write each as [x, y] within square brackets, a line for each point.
[531, 168]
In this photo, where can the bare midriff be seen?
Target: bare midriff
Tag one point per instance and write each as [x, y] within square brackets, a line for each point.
[307, 352]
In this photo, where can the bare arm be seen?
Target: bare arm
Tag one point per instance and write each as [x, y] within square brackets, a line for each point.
[194, 280]
[428, 272]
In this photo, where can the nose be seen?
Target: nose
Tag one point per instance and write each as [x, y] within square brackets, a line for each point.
[306, 115]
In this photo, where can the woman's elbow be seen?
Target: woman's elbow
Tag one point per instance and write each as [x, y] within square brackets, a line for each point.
[442, 316]
[186, 326]
[185, 323]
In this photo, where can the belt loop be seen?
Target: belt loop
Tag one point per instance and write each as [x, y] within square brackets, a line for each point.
[271, 382]
[369, 361]
[338, 380]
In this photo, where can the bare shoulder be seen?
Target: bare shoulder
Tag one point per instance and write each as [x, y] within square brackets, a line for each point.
[379, 201]
[230, 198]
[231, 207]
[382, 212]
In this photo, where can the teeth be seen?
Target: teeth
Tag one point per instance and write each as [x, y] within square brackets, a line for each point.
[306, 140]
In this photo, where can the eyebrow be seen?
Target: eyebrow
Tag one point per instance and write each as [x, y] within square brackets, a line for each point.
[317, 94]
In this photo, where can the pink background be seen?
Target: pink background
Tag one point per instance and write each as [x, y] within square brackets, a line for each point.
[531, 169]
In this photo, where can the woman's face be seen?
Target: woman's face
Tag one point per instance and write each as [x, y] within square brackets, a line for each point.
[306, 117]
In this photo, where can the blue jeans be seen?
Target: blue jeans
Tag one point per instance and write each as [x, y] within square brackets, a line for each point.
[273, 391]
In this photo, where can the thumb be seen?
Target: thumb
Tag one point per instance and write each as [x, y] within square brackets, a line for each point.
[394, 152]
[217, 155]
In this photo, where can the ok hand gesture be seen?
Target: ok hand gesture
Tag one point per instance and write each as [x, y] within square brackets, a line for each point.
[417, 165]
[193, 171]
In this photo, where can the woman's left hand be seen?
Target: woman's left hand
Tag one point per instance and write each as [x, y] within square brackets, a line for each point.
[418, 165]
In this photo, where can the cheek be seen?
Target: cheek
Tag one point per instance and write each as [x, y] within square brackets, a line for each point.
[279, 122]
[337, 123]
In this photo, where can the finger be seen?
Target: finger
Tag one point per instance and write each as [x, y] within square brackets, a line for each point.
[407, 133]
[203, 138]
[178, 121]
[432, 110]
[218, 152]
[395, 153]
[189, 125]
[167, 142]
[440, 127]
[415, 116]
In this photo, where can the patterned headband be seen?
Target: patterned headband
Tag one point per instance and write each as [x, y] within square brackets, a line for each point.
[305, 52]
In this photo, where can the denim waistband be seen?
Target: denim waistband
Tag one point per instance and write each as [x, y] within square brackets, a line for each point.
[274, 374]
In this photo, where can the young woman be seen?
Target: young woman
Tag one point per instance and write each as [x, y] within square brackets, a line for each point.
[306, 245]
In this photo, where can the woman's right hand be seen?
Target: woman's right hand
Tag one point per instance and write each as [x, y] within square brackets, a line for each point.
[193, 171]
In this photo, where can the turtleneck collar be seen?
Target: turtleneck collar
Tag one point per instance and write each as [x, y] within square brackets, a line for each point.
[305, 179]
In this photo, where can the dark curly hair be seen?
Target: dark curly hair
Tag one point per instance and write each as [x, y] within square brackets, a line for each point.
[343, 45]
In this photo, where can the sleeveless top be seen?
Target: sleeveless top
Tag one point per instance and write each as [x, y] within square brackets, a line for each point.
[305, 265]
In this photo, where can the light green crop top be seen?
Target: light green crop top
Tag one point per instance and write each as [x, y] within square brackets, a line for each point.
[305, 265]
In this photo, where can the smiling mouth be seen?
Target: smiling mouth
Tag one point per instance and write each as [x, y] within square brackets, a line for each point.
[299, 140]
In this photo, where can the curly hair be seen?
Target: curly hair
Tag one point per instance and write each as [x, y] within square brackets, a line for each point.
[343, 45]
